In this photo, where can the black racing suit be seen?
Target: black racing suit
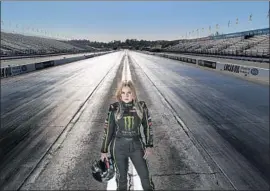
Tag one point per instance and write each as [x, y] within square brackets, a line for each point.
[125, 141]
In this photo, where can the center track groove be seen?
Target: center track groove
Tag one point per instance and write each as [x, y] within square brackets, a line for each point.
[68, 127]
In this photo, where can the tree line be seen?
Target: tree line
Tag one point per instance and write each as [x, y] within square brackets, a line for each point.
[128, 43]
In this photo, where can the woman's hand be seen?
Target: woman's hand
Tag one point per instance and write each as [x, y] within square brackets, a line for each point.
[104, 156]
[148, 151]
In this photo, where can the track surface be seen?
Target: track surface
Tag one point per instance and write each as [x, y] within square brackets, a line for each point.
[211, 130]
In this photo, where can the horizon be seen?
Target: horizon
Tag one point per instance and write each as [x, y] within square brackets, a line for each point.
[151, 21]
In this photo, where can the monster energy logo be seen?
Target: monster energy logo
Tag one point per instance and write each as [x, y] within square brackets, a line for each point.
[129, 122]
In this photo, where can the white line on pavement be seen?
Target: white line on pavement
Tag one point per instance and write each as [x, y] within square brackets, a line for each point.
[136, 181]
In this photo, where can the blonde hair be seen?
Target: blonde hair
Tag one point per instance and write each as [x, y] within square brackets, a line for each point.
[120, 111]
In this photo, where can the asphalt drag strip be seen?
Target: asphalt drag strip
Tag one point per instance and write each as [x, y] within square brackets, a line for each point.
[179, 162]
[175, 164]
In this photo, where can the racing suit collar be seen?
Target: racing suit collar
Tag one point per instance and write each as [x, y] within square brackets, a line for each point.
[127, 105]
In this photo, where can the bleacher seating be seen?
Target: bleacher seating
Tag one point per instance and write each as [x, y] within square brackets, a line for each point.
[261, 48]
[17, 44]
[207, 45]
[223, 44]
[245, 45]
[239, 47]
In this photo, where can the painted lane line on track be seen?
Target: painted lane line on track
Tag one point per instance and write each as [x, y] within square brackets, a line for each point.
[134, 181]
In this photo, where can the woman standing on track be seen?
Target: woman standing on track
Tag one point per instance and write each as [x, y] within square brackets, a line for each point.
[122, 135]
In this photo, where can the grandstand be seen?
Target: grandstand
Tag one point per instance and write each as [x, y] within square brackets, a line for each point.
[254, 43]
[17, 44]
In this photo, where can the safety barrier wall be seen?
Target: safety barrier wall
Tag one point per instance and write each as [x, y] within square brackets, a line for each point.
[41, 56]
[21, 69]
[68, 60]
[241, 70]
[247, 71]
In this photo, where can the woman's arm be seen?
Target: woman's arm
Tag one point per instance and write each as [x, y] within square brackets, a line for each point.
[147, 126]
[108, 129]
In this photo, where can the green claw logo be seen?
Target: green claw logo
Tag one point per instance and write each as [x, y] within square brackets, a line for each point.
[129, 122]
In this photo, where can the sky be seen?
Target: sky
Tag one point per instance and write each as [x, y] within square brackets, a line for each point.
[106, 21]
